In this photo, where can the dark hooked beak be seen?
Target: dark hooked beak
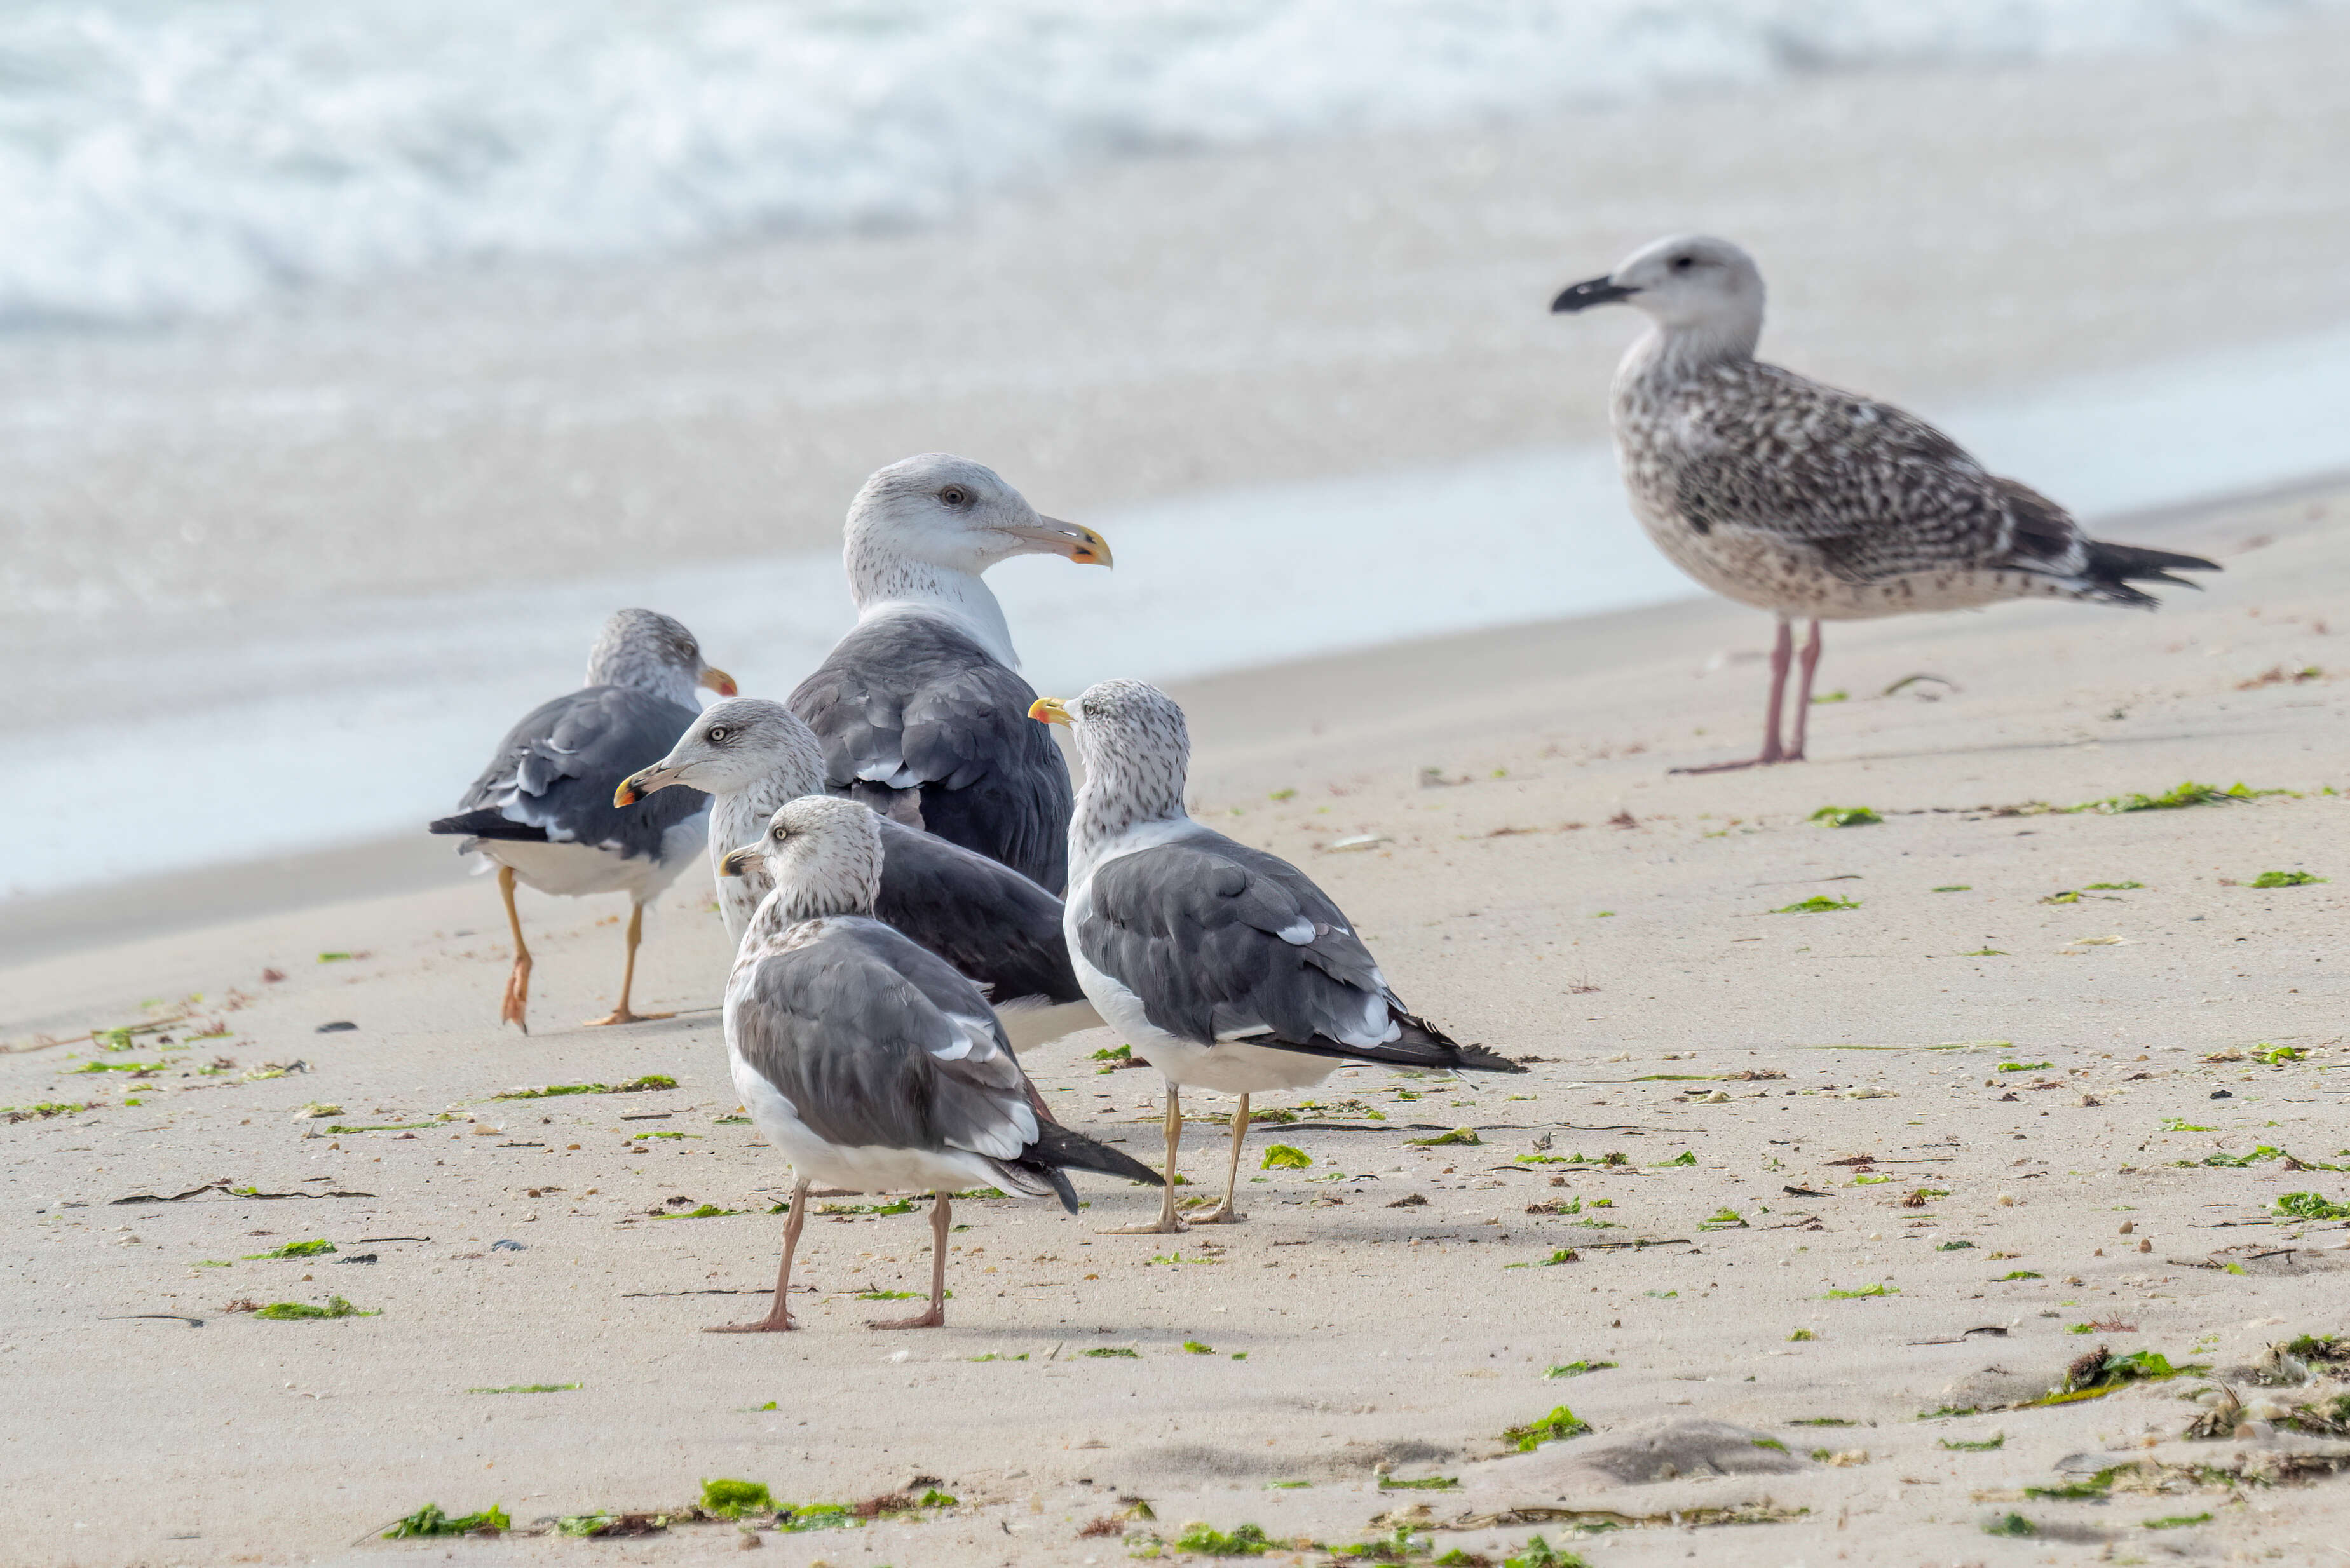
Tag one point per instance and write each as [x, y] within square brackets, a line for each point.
[1591, 291]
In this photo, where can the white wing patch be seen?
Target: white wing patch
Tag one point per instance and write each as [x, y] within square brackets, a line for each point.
[1297, 933]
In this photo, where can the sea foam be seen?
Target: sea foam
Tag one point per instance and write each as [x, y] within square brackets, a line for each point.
[159, 158]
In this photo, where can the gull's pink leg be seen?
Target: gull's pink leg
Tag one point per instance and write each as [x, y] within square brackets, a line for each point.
[1783, 655]
[778, 1319]
[1811, 662]
[940, 1212]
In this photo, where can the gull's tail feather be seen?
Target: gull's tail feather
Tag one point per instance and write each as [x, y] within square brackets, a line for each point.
[1057, 1148]
[2113, 568]
[487, 823]
[1421, 1046]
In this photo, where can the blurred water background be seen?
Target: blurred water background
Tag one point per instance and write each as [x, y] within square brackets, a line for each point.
[355, 359]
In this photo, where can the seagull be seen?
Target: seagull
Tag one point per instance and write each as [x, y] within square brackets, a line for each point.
[752, 755]
[868, 1060]
[918, 708]
[542, 811]
[1815, 503]
[1224, 965]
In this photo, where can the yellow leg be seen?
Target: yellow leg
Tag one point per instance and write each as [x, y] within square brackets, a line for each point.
[1167, 1224]
[517, 998]
[1224, 1213]
[942, 1213]
[778, 1319]
[621, 1013]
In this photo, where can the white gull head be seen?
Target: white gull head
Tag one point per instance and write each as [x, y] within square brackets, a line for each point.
[824, 856]
[651, 652]
[922, 530]
[1137, 751]
[1705, 294]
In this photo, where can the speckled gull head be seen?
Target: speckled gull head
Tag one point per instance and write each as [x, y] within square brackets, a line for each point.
[952, 515]
[825, 855]
[1136, 750]
[1689, 284]
[734, 744]
[649, 652]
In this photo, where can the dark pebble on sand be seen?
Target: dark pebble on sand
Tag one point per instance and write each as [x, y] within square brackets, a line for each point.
[339, 1026]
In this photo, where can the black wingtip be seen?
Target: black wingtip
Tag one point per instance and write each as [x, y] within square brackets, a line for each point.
[1461, 1058]
[1057, 1146]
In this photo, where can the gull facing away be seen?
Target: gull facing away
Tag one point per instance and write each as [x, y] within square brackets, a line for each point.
[1224, 967]
[1810, 503]
[920, 707]
[542, 811]
[868, 1060]
[752, 755]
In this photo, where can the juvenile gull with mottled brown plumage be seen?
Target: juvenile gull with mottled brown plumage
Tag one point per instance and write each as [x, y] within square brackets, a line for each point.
[1811, 503]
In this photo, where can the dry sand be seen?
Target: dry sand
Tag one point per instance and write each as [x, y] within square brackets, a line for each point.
[1559, 897]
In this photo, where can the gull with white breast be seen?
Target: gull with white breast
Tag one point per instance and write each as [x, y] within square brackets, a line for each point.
[1224, 965]
[920, 708]
[542, 811]
[869, 1061]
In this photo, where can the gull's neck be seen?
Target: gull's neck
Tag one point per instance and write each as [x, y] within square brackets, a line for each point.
[1669, 355]
[883, 582]
[1120, 797]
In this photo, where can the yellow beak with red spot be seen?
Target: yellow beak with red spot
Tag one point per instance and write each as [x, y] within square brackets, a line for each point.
[1050, 710]
[718, 681]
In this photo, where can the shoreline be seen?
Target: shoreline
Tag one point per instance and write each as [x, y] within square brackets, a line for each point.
[41, 926]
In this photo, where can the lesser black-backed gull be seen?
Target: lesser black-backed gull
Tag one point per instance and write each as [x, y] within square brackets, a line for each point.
[750, 755]
[542, 811]
[1224, 966]
[1811, 503]
[869, 1062]
[920, 707]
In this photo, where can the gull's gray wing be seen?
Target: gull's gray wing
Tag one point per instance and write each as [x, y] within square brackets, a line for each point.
[553, 776]
[877, 1042]
[986, 920]
[1222, 941]
[909, 703]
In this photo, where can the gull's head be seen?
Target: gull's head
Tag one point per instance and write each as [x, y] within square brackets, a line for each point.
[1132, 738]
[735, 743]
[1686, 283]
[653, 652]
[950, 513]
[823, 854]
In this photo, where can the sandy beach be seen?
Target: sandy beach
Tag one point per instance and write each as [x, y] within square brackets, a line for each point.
[1826, 1127]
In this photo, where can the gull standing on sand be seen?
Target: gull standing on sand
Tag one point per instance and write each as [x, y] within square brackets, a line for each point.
[1224, 967]
[869, 1061]
[1811, 503]
[920, 707]
[542, 811]
[752, 755]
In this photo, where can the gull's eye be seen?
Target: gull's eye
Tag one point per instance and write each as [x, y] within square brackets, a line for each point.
[780, 834]
[1682, 264]
[716, 732]
[955, 495]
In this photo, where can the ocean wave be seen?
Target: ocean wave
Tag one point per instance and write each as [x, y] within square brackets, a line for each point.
[161, 158]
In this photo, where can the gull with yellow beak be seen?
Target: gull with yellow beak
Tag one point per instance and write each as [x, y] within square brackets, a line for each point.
[542, 811]
[920, 708]
[1223, 966]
